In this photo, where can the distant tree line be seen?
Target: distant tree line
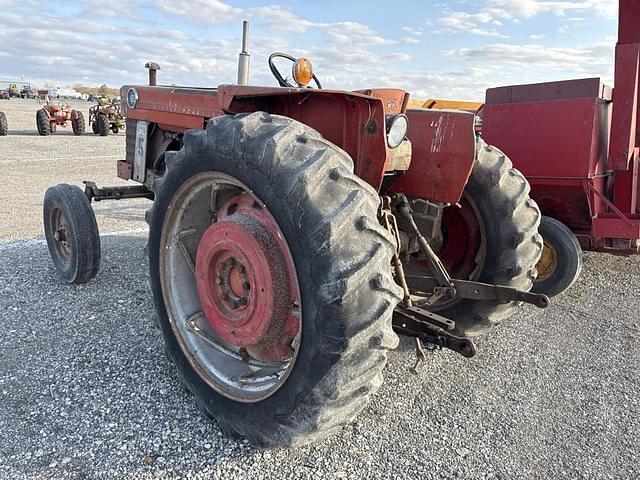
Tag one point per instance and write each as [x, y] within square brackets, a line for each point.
[101, 90]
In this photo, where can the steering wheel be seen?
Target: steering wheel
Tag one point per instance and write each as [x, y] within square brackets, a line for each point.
[276, 73]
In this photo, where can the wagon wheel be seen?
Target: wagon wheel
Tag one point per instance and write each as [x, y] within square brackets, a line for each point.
[561, 261]
[72, 233]
[491, 237]
[271, 278]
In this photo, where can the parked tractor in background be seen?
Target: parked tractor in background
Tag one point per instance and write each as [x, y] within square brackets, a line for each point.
[51, 116]
[14, 92]
[105, 116]
[4, 95]
[27, 92]
[4, 125]
[293, 227]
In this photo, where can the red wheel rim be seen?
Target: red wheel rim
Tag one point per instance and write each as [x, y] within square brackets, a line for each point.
[463, 245]
[246, 281]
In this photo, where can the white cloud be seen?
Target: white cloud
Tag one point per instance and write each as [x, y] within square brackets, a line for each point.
[281, 20]
[356, 34]
[205, 11]
[596, 60]
[495, 12]
[418, 32]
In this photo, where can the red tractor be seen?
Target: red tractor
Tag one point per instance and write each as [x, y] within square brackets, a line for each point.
[4, 126]
[294, 228]
[51, 116]
[584, 164]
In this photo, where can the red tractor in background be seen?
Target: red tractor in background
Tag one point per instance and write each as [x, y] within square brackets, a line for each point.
[51, 116]
[583, 164]
[293, 227]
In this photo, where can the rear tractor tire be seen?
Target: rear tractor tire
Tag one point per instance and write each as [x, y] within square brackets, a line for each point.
[493, 238]
[271, 279]
[4, 125]
[78, 125]
[42, 123]
[72, 233]
[561, 261]
[102, 125]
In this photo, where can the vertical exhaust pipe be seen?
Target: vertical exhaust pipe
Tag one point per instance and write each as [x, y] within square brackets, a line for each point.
[153, 73]
[243, 58]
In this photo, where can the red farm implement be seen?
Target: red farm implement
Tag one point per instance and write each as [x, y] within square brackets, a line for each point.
[294, 228]
[577, 143]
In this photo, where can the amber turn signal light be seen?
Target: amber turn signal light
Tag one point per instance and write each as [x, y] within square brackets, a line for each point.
[302, 72]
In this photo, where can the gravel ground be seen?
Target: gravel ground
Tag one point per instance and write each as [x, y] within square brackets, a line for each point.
[85, 391]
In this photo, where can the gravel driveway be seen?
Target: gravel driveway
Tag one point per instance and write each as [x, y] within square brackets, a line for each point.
[86, 393]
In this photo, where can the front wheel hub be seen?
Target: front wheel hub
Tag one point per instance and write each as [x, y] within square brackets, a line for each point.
[244, 277]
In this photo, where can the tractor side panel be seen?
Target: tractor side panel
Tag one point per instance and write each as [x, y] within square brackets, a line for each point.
[173, 109]
[443, 144]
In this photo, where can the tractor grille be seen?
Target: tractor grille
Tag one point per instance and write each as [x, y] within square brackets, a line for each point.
[131, 140]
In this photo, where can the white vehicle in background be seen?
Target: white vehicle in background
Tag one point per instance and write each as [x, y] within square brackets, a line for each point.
[68, 93]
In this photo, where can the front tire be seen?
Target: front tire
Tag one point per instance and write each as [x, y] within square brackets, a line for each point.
[4, 125]
[71, 231]
[102, 125]
[42, 123]
[78, 125]
[561, 261]
[327, 217]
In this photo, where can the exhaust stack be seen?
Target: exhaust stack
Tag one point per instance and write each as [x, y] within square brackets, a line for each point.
[243, 58]
[153, 68]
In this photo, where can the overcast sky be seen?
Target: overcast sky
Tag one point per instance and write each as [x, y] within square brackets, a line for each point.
[433, 49]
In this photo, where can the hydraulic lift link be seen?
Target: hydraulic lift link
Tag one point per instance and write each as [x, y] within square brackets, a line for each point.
[439, 270]
[442, 283]
[476, 291]
[429, 327]
[408, 322]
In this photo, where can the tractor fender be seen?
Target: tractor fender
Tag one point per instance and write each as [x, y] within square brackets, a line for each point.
[444, 152]
[73, 114]
[353, 121]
